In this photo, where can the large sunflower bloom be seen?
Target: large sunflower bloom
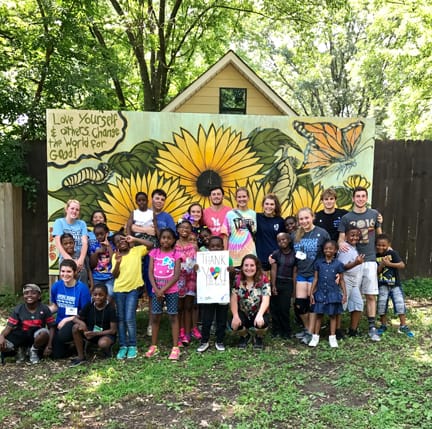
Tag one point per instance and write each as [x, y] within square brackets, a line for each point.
[306, 197]
[121, 197]
[356, 180]
[217, 158]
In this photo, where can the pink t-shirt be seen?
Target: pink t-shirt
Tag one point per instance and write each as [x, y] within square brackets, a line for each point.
[163, 267]
[214, 219]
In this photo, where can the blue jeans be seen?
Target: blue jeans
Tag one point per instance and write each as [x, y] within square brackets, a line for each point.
[126, 303]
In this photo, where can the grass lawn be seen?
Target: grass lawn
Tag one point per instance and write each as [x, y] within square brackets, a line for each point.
[288, 385]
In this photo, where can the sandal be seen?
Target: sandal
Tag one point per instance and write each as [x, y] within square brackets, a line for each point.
[175, 354]
[152, 351]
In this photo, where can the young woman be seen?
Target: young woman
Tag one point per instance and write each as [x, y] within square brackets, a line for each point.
[239, 228]
[250, 300]
[308, 244]
[269, 225]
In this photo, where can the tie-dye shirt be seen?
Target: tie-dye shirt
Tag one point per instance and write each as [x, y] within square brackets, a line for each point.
[238, 226]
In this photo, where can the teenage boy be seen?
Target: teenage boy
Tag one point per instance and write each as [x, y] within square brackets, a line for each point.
[215, 214]
[329, 218]
[366, 220]
[163, 219]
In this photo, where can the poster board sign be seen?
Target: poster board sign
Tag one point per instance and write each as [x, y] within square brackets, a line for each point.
[213, 277]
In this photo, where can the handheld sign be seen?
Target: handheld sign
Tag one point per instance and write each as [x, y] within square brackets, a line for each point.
[213, 277]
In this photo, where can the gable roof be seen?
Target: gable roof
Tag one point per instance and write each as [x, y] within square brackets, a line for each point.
[231, 58]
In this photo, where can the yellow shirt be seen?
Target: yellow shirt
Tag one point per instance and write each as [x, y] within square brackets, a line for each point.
[130, 276]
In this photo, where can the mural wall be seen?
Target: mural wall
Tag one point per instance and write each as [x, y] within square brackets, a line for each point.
[104, 158]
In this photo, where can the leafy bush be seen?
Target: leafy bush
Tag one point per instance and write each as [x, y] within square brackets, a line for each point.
[418, 288]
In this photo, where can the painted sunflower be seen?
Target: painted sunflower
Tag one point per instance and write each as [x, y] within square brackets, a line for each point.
[305, 197]
[356, 180]
[219, 157]
[121, 199]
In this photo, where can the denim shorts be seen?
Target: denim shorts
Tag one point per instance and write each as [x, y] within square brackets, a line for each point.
[171, 300]
[304, 279]
[394, 293]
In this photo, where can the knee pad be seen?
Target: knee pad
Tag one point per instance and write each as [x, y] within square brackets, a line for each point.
[302, 305]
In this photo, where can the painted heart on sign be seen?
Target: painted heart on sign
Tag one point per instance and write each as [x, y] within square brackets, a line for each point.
[215, 271]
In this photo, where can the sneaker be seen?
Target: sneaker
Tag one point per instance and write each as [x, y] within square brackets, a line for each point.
[405, 330]
[186, 340]
[333, 341]
[314, 340]
[258, 343]
[132, 352]
[300, 334]
[180, 343]
[243, 342]
[152, 351]
[381, 329]
[220, 347]
[149, 330]
[340, 334]
[306, 338]
[21, 355]
[9, 346]
[75, 362]
[373, 334]
[122, 353]
[175, 354]
[196, 333]
[353, 333]
[203, 347]
[34, 356]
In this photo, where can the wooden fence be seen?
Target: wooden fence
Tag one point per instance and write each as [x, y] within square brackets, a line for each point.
[402, 178]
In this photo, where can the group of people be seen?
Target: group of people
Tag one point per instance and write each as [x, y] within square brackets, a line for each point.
[325, 263]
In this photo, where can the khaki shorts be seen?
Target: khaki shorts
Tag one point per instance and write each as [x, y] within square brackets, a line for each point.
[369, 283]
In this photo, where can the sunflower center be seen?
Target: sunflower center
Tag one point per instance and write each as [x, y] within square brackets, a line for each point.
[207, 180]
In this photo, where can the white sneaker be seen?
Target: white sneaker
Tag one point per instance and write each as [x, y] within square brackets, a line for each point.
[149, 330]
[314, 341]
[34, 356]
[203, 347]
[220, 347]
[333, 341]
[373, 334]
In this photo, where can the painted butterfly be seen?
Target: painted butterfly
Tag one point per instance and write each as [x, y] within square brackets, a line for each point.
[331, 148]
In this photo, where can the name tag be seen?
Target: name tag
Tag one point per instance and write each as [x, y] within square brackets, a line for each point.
[300, 255]
[97, 328]
[71, 311]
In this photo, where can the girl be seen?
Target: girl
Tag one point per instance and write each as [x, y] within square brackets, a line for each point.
[126, 263]
[239, 228]
[97, 323]
[308, 244]
[250, 300]
[68, 243]
[68, 297]
[142, 224]
[97, 217]
[164, 271]
[204, 238]
[100, 258]
[269, 225]
[73, 225]
[283, 272]
[195, 217]
[291, 225]
[187, 281]
[326, 296]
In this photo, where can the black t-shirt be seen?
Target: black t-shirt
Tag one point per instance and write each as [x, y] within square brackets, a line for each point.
[94, 317]
[330, 222]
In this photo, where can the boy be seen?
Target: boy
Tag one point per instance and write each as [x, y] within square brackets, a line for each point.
[353, 276]
[389, 284]
[26, 327]
[330, 217]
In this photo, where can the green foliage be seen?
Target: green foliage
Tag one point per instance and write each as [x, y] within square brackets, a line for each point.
[418, 288]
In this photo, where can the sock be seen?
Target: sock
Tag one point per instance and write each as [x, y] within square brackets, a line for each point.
[371, 321]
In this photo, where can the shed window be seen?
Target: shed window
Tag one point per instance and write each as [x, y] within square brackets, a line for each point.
[232, 100]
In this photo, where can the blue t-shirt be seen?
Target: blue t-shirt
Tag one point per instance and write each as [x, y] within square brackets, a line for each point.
[69, 297]
[78, 229]
[103, 269]
[165, 220]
